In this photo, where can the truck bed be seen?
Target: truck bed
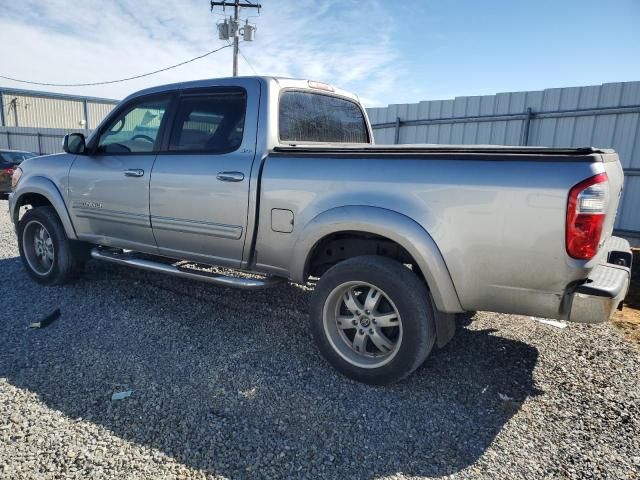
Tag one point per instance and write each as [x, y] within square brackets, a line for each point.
[497, 214]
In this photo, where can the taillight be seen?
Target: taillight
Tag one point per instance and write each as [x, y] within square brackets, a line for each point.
[586, 210]
[320, 86]
[15, 178]
[8, 171]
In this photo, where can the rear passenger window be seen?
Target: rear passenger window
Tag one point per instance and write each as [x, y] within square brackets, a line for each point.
[211, 123]
[314, 117]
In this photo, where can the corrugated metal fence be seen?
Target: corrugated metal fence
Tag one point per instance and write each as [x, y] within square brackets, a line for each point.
[603, 116]
[37, 121]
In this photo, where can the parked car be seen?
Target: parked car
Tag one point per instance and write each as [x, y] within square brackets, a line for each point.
[281, 178]
[9, 160]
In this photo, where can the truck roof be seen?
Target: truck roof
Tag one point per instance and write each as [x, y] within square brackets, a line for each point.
[280, 82]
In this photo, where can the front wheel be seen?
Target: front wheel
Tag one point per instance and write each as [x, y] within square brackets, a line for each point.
[49, 257]
[371, 318]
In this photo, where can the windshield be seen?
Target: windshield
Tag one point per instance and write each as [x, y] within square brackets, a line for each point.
[15, 158]
[315, 117]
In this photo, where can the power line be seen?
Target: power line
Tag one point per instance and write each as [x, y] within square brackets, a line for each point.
[247, 60]
[119, 80]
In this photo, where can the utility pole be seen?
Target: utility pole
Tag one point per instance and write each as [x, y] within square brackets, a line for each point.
[226, 30]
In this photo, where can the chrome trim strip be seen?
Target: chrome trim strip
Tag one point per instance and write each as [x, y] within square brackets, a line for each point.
[198, 228]
[136, 219]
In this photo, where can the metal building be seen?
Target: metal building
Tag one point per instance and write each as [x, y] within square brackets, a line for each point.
[36, 121]
[602, 115]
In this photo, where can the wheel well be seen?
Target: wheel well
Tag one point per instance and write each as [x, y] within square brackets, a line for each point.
[342, 245]
[30, 200]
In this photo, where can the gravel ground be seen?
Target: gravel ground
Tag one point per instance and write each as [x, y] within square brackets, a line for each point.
[228, 384]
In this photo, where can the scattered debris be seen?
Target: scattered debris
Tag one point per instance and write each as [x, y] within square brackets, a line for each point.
[485, 389]
[505, 398]
[553, 323]
[46, 321]
[249, 393]
[121, 395]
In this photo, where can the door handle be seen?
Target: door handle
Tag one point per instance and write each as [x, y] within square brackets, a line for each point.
[230, 176]
[134, 172]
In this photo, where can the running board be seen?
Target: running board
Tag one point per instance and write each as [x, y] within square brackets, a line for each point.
[153, 266]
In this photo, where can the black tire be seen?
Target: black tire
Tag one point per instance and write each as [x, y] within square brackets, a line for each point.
[408, 295]
[68, 256]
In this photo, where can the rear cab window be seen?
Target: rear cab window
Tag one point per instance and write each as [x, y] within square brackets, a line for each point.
[310, 117]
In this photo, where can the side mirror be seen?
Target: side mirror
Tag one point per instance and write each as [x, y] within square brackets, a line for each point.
[74, 143]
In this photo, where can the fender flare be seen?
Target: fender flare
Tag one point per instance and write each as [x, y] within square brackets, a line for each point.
[45, 187]
[386, 223]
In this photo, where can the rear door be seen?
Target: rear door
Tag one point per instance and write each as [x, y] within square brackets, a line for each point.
[109, 187]
[200, 181]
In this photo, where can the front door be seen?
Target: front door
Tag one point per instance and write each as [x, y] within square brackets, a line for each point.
[109, 186]
[200, 181]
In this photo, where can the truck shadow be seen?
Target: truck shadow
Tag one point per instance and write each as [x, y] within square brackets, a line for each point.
[230, 382]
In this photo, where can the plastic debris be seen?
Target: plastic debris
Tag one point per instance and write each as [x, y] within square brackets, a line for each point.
[121, 395]
[46, 321]
[485, 389]
[504, 398]
[553, 323]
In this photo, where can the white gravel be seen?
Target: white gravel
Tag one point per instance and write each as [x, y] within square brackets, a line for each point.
[228, 384]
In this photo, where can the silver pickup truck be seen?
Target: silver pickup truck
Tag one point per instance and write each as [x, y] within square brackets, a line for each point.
[280, 179]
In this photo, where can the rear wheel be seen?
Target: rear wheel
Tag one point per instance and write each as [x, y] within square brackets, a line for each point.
[49, 257]
[372, 319]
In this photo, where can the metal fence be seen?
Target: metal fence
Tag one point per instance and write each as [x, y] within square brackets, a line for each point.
[38, 140]
[603, 116]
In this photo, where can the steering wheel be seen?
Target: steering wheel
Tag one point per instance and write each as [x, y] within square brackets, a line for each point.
[143, 137]
[124, 147]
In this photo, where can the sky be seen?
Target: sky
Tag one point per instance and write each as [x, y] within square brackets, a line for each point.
[383, 50]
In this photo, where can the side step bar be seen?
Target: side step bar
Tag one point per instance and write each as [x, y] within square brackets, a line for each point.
[215, 278]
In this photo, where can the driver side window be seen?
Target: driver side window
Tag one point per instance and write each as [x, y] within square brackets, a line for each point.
[136, 129]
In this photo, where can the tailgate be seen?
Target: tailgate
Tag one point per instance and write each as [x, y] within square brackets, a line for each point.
[614, 171]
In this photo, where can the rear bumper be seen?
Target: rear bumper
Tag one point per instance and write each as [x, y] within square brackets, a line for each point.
[595, 300]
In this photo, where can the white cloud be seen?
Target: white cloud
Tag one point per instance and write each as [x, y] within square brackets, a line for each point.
[76, 42]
